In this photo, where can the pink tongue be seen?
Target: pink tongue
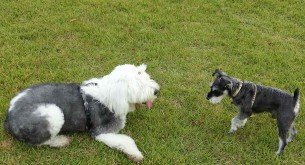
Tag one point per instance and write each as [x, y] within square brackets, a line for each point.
[149, 104]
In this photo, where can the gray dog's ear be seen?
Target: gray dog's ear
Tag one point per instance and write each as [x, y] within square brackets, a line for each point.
[218, 73]
[229, 86]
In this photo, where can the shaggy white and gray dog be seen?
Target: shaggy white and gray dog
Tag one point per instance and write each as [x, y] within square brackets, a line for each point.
[40, 114]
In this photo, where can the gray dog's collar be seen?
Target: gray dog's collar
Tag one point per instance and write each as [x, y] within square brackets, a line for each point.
[254, 96]
[238, 89]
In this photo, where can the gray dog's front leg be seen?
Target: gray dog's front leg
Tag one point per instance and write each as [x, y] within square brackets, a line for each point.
[238, 121]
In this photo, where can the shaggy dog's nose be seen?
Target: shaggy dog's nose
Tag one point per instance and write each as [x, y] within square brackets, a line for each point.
[156, 91]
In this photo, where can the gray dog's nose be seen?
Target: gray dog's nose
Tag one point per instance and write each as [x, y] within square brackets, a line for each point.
[156, 91]
[208, 97]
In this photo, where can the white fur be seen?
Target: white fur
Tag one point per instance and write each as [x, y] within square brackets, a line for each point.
[16, 98]
[280, 146]
[292, 133]
[297, 107]
[237, 123]
[289, 139]
[57, 141]
[55, 117]
[123, 143]
[125, 86]
[218, 99]
[93, 80]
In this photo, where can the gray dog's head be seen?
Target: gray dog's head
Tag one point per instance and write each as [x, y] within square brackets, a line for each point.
[221, 86]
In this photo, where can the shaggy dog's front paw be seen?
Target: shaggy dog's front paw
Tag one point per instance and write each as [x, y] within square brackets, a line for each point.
[135, 158]
[232, 131]
[278, 153]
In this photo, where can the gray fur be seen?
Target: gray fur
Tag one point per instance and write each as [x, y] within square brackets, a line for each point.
[102, 120]
[254, 98]
[27, 126]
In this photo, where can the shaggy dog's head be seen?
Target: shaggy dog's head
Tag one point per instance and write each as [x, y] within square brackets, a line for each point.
[126, 86]
[141, 89]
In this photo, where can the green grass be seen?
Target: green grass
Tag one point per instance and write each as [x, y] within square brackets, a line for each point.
[182, 42]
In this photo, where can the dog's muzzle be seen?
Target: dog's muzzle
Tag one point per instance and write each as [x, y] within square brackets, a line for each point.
[209, 95]
[156, 92]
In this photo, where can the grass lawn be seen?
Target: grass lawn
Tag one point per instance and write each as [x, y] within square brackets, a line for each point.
[182, 42]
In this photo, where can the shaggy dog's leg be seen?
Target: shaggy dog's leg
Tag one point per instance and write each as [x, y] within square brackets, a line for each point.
[55, 118]
[123, 143]
[58, 141]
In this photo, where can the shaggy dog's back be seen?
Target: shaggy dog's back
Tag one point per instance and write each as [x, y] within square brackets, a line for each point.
[45, 106]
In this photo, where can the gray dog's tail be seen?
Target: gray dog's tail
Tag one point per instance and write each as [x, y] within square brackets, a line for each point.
[296, 94]
[296, 100]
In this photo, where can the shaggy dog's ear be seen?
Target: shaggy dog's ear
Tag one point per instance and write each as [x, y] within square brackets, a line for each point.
[142, 67]
[91, 81]
[218, 73]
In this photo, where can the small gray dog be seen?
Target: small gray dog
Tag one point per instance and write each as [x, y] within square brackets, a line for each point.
[254, 98]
